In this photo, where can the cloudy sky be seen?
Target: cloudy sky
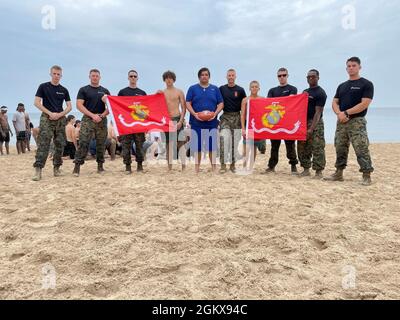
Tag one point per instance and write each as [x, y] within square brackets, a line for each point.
[254, 37]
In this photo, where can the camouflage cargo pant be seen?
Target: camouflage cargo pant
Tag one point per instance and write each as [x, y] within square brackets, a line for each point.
[48, 130]
[90, 129]
[354, 132]
[126, 143]
[230, 135]
[312, 151]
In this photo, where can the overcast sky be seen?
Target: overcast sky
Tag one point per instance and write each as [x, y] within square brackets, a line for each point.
[254, 37]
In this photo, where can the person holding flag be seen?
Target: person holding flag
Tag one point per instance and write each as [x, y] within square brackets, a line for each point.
[314, 147]
[91, 102]
[283, 90]
[248, 142]
[139, 138]
[204, 97]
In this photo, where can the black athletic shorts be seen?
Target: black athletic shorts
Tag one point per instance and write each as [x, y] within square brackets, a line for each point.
[21, 136]
[5, 138]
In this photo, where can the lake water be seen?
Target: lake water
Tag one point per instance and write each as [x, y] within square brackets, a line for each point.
[383, 124]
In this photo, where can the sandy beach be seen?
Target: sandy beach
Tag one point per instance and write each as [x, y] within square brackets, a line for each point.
[176, 235]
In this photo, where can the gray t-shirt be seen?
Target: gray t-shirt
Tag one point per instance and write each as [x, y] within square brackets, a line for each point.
[20, 120]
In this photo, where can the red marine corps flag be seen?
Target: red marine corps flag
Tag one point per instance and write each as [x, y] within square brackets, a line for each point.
[139, 114]
[283, 118]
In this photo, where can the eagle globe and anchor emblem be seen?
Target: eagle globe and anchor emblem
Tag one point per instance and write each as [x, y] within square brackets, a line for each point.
[275, 114]
[139, 111]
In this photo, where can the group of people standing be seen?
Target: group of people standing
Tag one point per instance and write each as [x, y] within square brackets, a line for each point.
[350, 104]
[23, 127]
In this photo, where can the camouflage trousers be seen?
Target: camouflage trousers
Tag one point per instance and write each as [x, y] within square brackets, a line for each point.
[354, 132]
[126, 143]
[48, 130]
[90, 129]
[230, 135]
[312, 151]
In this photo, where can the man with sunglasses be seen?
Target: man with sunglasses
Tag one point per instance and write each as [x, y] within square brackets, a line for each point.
[138, 138]
[283, 90]
[312, 151]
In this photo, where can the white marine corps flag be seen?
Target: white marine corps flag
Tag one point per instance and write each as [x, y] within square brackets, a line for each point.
[282, 118]
[139, 114]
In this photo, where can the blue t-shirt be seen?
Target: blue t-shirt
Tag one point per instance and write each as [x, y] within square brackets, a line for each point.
[203, 99]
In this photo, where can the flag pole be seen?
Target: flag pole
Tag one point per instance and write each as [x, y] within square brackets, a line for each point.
[108, 104]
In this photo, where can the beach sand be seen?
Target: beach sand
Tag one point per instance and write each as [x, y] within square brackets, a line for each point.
[165, 235]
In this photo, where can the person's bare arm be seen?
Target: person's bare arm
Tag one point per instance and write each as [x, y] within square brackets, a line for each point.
[340, 115]
[81, 107]
[38, 104]
[365, 103]
[183, 106]
[67, 110]
[192, 112]
[220, 106]
[317, 117]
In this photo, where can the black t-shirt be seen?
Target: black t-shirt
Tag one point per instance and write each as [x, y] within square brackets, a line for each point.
[53, 96]
[130, 92]
[316, 98]
[233, 97]
[351, 93]
[92, 98]
[282, 91]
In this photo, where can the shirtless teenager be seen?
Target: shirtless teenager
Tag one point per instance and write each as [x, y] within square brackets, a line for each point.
[175, 140]
[72, 145]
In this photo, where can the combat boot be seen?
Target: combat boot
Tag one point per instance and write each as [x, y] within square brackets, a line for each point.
[100, 168]
[139, 167]
[38, 174]
[128, 169]
[77, 170]
[305, 173]
[337, 176]
[318, 174]
[57, 171]
[366, 180]
[232, 168]
[293, 170]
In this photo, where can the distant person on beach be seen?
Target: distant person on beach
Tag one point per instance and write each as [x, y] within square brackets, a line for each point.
[77, 126]
[29, 135]
[20, 119]
[200, 97]
[111, 143]
[91, 102]
[283, 90]
[72, 145]
[312, 151]
[138, 138]
[174, 140]
[249, 145]
[49, 99]
[5, 130]
[350, 104]
[230, 121]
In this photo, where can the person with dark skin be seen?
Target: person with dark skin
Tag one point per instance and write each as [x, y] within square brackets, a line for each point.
[312, 151]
